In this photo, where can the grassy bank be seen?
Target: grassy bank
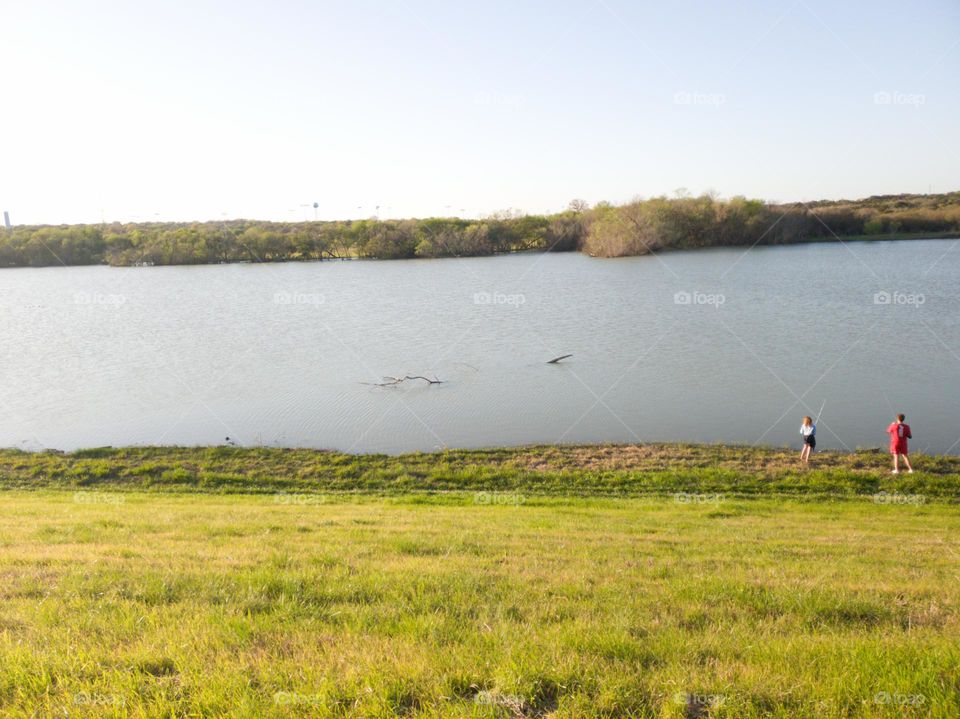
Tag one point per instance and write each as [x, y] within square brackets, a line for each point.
[596, 470]
[950, 235]
[685, 581]
[163, 605]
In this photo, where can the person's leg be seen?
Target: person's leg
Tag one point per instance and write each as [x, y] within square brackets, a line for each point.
[896, 462]
[906, 461]
[803, 453]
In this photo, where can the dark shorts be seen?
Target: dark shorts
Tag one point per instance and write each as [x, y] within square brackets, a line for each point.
[810, 441]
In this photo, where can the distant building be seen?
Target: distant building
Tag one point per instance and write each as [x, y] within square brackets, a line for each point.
[6, 219]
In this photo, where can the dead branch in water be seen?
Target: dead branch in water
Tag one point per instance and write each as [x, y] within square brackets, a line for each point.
[392, 381]
[557, 359]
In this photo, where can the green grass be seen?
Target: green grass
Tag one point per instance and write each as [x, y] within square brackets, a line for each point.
[605, 581]
[594, 470]
[172, 605]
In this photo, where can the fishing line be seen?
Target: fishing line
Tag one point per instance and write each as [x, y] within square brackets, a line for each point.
[887, 400]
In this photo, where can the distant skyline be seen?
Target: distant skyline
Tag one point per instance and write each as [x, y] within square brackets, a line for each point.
[182, 111]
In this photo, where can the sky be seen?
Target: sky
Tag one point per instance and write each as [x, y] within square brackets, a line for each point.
[197, 110]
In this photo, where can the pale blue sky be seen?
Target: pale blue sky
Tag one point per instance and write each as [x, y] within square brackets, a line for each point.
[183, 110]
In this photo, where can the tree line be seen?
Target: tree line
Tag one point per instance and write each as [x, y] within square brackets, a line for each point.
[685, 222]
[604, 230]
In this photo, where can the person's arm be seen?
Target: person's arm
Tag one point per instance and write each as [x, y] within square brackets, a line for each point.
[909, 434]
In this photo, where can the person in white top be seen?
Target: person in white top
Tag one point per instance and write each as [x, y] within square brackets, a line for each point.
[808, 430]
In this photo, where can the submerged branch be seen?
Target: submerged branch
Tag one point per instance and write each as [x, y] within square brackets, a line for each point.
[392, 381]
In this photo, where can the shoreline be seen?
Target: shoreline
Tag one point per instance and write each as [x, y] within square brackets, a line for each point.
[594, 470]
[839, 239]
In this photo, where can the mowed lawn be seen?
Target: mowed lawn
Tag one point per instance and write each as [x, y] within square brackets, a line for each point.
[490, 605]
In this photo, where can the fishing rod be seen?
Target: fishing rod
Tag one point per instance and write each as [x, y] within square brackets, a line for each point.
[821, 411]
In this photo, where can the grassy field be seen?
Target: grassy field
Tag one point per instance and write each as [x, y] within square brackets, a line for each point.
[320, 594]
[591, 470]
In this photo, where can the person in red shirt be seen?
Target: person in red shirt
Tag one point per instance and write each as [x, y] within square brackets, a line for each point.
[899, 434]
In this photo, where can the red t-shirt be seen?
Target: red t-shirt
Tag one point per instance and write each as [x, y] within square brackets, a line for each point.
[899, 434]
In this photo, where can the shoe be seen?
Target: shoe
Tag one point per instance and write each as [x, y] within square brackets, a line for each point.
[909, 471]
[896, 471]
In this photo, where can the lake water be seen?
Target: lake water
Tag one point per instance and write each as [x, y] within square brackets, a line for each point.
[720, 345]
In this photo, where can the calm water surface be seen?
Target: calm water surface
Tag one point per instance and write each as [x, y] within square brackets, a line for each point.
[719, 345]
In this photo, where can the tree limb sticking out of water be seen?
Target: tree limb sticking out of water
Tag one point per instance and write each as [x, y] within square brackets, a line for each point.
[557, 359]
[393, 381]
